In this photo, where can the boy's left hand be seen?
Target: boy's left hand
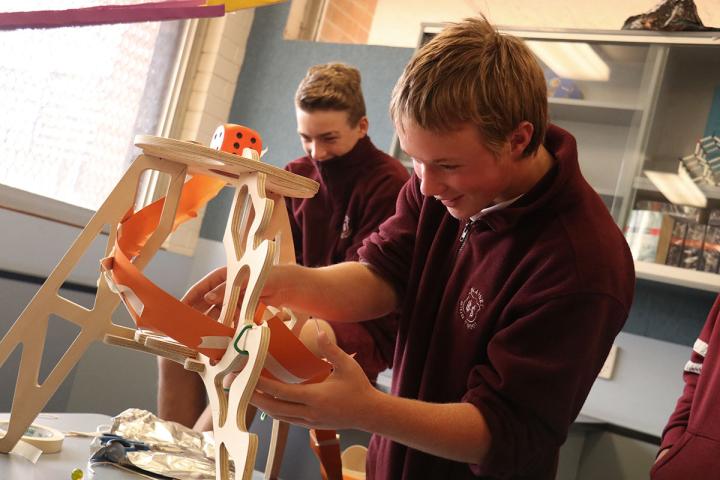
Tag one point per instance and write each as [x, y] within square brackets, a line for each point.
[340, 401]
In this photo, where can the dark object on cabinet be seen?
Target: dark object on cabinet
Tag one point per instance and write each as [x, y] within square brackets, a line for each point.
[669, 16]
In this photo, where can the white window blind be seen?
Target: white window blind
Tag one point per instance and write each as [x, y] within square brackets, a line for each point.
[72, 99]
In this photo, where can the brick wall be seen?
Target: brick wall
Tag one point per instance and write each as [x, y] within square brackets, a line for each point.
[347, 21]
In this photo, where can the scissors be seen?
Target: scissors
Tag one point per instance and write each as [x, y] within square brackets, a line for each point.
[128, 445]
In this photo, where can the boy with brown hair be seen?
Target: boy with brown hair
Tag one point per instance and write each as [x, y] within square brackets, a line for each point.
[359, 185]
[511, 278]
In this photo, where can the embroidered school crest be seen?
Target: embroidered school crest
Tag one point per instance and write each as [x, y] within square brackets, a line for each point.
[346, 230]
[470, 307]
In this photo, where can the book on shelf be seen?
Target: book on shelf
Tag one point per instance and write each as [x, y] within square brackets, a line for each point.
[712, 126]
[692, 252]
[645, 226]
[711, 249]
[642, 234]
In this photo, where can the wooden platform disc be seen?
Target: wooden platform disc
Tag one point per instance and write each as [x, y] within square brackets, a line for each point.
[214, 163]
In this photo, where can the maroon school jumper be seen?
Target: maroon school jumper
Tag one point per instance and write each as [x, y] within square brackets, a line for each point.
[517, 321]
[693, 430]
[357, 193]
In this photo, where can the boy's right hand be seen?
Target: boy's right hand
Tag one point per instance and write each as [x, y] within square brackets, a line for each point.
[208, 292]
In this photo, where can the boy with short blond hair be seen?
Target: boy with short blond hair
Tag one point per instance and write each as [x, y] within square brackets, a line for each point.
[440, 95]
[511, 278]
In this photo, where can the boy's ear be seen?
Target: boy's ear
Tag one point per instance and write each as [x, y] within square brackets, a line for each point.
[520, 138]
[364, 125]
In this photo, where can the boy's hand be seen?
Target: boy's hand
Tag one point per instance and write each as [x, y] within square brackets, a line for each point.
[199, 296]
[210, 291]
[340, 401]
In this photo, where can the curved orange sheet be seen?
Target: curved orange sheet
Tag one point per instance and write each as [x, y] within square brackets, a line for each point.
[163, 312]
[136, 228]
[290, 361]
[292, 356]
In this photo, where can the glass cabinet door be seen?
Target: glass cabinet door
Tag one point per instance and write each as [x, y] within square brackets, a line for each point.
[644, 108]
[673, 218]
[598, 91]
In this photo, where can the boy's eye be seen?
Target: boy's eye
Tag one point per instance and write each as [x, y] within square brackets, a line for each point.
[448, 167]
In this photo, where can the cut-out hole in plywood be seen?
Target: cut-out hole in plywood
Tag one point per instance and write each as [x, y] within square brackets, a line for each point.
[243, 216]
[152, 185]
[81, 283]
[232, 313]
[60, 335]
[225, 459]
[8, 378]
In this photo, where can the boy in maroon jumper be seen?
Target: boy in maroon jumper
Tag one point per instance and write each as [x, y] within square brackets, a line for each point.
[690, 446]
[358, 188]
[511, 277]
[359, 185]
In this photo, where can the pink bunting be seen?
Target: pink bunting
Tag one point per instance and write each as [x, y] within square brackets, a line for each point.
[109, 14]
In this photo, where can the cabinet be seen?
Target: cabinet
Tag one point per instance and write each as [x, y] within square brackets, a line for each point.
[635, 101]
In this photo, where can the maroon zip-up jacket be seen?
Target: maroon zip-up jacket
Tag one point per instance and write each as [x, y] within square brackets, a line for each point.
[517, 322]
[693, 430]
[357, 193]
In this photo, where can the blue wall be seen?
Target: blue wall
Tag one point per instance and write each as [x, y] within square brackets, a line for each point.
[271, 72]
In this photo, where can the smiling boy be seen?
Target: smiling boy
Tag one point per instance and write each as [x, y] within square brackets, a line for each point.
[511, 278]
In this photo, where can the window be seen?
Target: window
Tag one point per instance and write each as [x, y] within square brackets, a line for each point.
[74, 98]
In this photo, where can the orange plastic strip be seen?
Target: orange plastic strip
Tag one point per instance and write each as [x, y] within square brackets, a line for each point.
[164, 313]
[137, 228]
[293, 355]
[326, 446]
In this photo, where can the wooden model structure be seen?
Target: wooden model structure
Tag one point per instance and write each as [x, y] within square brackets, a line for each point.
[257, 236]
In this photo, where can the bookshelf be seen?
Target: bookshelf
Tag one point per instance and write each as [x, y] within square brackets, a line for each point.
[650, 109]
[591, 111]
[682, 277]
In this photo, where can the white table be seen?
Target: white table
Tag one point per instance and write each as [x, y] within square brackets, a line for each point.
[75, 453]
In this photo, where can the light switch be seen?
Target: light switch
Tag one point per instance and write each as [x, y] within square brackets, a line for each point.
[607, 369]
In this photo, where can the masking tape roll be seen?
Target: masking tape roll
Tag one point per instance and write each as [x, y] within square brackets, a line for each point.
[45, 438]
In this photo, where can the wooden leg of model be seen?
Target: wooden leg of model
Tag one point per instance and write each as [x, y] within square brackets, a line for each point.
[248, 258]
[30, 329]
[232, 440]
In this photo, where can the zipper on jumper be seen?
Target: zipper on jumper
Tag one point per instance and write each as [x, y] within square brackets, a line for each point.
[464, 234]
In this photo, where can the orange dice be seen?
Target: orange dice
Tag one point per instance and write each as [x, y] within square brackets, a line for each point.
[232, 138]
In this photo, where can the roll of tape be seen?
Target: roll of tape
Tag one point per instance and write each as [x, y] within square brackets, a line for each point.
[45, 438]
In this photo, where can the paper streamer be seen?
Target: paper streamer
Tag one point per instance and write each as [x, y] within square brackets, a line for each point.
[139, 12]
[110, 14]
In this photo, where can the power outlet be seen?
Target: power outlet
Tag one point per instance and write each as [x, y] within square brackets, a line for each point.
[609, 366]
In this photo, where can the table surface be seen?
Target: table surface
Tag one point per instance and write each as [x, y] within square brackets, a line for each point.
[75, 452]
